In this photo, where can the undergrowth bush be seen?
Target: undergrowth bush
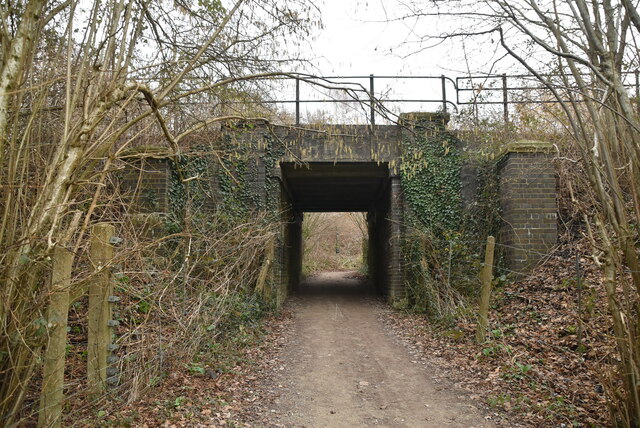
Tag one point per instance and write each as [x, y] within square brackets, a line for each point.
[186, 282]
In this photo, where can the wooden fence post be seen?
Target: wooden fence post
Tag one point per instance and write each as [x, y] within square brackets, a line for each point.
[100, 289]
[51, 395]
[485, 294]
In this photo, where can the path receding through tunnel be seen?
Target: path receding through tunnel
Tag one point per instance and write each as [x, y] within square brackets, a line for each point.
[342, 368]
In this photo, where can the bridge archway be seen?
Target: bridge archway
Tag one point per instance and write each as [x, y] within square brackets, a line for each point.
[356, 168]
[343, 187]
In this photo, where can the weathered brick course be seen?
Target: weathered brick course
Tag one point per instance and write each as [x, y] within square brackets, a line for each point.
[145, 183]
[529, 206]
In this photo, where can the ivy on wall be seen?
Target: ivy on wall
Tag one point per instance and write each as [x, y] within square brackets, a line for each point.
[430, 174]
[234, 195]
[247, 181]
[443, 242]
[188, 182]
[238, 179]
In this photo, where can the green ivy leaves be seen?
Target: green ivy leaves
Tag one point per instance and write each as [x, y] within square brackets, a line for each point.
[430, 174]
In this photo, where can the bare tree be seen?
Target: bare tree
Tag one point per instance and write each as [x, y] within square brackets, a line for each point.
[579, 50]
[79, 82]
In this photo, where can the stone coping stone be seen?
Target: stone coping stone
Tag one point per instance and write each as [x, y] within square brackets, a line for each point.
[414, 118]
[528, 146]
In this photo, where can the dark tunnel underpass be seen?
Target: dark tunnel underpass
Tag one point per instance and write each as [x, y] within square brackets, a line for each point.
[340, 187]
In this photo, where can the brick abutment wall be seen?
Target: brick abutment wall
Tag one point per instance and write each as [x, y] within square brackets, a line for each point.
[528, 200]
[146, 183]
[527, 195]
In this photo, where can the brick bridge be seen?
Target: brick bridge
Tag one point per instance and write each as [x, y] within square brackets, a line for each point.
[355, 168]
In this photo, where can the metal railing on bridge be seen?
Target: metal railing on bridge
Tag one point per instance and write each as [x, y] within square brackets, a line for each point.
[361, 90]
[446, 93]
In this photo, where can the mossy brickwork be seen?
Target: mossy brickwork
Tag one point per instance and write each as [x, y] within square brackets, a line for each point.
[424, 185]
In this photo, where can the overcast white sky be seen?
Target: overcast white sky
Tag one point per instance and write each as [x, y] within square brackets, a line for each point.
[360, 37]
[352, 42]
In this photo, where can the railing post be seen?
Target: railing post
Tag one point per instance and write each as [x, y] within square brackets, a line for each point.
[505, 99]
[52, 395]
[297, 101]
[444, 93]
[371, 96]
[99, 331]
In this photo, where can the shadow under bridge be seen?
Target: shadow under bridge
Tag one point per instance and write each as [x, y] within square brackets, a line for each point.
[346, 187]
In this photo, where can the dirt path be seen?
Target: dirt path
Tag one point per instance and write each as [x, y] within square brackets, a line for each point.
[342, 368]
